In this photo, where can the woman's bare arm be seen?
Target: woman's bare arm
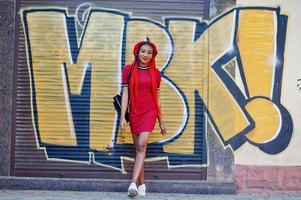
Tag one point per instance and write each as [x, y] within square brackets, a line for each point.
[160, 117]
[124, 106]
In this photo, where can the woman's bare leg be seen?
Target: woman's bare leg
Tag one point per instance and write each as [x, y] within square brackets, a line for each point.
[141, 176]
[141, 145]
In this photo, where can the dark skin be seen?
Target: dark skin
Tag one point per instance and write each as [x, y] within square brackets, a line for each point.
[141, 140]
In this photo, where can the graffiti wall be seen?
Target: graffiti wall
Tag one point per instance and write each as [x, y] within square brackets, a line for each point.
[231, 73]
[289, 89]
[70, 72]
[73, 80]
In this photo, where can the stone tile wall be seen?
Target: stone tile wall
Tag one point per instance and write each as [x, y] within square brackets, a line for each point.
[7, 14]
[268, 177]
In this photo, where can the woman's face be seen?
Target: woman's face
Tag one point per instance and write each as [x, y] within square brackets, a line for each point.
[145, 54]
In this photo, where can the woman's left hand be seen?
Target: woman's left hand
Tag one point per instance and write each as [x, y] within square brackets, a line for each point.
[162, 128]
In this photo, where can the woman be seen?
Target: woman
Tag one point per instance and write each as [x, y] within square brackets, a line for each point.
[140, 91]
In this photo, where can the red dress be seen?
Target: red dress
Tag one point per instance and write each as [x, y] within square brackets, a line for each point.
[144, 119]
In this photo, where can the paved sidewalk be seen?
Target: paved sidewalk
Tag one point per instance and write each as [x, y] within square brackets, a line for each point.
[74, 195]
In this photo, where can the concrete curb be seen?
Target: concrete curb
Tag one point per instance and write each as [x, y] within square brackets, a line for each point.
[112, 185]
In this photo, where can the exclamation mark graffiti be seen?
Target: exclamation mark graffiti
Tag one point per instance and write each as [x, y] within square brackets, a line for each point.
[258, 40]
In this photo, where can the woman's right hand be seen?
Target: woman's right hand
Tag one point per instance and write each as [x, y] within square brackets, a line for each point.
[122, 125]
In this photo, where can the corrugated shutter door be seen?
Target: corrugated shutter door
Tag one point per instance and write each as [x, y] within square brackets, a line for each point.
[69, 56]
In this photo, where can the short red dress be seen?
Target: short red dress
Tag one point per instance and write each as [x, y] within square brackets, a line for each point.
[145, 117]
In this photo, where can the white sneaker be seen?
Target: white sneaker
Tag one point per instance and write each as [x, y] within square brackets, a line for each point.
[141, 190]
[132, 191]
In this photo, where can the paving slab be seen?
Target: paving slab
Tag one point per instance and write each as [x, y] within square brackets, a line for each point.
[72, 195]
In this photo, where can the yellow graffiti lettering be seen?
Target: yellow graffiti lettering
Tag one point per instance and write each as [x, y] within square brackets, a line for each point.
[256, 42]
[221, 104]
[267, 118]
[186, 69]
[187, 63]
[102, 46]
[49, 50]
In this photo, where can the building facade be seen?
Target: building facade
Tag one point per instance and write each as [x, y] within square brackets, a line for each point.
[230, 90]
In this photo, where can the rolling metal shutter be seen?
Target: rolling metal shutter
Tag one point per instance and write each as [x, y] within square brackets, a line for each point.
[65, 123]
